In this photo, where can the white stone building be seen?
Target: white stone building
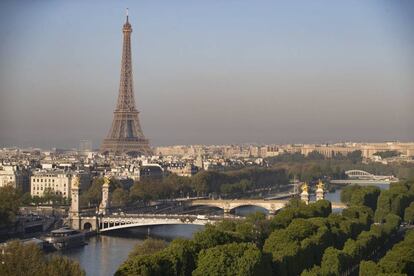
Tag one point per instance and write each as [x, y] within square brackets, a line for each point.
[58, 181]
[16, 176]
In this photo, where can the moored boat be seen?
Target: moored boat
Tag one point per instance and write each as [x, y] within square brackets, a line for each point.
[64, 238]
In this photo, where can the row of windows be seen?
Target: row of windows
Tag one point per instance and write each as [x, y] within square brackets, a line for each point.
[49, 185]
[41, 180]
[58, 193]
[41, 187]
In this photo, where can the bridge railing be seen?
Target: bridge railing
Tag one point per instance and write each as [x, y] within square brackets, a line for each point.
[205, 217]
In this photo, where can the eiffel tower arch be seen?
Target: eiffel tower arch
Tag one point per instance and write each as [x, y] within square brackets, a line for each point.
[125, 135]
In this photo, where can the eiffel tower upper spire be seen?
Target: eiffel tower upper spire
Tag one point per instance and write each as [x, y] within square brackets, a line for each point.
[126, 86]
[125, 135]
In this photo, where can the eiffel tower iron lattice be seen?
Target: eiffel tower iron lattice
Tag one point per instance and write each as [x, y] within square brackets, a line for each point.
[125, 135]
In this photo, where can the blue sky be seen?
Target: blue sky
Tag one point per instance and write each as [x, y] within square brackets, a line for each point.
[209, 71]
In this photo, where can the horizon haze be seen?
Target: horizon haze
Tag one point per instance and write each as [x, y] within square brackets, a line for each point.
[209, 72]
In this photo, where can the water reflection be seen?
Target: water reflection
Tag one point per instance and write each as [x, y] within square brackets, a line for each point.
[105, 253]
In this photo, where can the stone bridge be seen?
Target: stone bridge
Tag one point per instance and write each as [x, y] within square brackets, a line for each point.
[270, 205]
[112, 222]
[227, 205]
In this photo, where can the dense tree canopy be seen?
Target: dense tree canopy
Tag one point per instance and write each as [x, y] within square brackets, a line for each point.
[361, 196]
[398, 261]
[395, 200]
[149, 246]
[9, 205]
[18, 259]
[300, 238]
[409, 214]
[388, 153]
[241, 259]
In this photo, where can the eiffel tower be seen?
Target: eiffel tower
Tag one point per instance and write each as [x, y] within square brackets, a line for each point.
[125, 135]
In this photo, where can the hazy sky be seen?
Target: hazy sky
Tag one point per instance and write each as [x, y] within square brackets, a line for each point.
[210, 72]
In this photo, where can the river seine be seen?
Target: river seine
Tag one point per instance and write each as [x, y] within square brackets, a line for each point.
[104, 254]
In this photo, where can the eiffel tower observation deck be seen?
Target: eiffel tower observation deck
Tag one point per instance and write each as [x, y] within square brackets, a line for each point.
[125, 135]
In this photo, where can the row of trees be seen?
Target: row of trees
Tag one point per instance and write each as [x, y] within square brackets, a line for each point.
[19, 259]
[312, 169]
[203, 183]
[10, 200]
[387, 154]
[288, 244]
[355, 195]
[337, 261]
[354, 157]
[49, 197]
[389, 206]
[398, 261]
[395, 200]
[298, 246]
[285, 244]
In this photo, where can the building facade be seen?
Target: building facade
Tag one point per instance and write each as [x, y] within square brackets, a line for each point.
[182, 169]
[57, 181]
[17, 176]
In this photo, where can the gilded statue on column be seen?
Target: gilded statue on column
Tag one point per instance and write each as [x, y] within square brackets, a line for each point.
[305, 187]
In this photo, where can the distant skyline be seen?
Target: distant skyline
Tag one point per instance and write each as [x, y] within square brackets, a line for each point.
[209, 72]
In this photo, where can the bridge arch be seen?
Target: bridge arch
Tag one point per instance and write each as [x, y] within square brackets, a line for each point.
[87, 226]
[228, 205]
[240, 210]
[107, 226]
[357, 173]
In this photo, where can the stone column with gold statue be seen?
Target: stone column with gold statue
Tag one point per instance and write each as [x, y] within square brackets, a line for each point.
[104, 206]
[304, 195]
[74, 211]
[320, 191]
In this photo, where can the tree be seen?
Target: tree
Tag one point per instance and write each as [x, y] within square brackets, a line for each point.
[362, 213]
[409, 214]
[93, 196]
[183, 254]
[119, 197]
[232, 259]
[355, 156]
[149, 246]
[395, 200]
[369, 268]
[400, 259]
[387, 154]
[357, 195]
[334, 262]
[176, 259]
[62, 266]
[212, 236]
[146, 265]
[19, 259]
[9, 205]
[314, 155]
[26, 199]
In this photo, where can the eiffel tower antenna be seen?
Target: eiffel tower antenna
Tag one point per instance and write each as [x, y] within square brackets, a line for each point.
[125, 135]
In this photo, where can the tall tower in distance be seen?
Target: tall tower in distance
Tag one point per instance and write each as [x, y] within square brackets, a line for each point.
[125, 135]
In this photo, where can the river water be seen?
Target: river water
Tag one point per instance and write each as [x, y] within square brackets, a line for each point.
[105, 253]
